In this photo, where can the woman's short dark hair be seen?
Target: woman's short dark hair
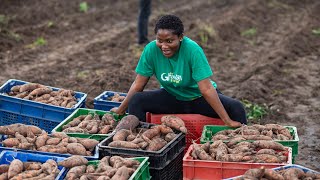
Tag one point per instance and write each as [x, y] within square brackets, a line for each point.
[170, 22]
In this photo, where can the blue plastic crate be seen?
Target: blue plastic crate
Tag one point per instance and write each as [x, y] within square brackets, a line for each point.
[102, 101]
[45, 116]
[95, 152]
[7, 156]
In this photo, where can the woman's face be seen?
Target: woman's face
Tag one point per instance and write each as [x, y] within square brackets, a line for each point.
[168, 42]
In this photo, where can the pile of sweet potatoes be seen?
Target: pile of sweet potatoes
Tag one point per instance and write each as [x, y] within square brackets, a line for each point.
[32, 138]
[40, 93]
[152, 139]
[260, 151]
[255, 132]
[91, 124]
[114, 168]
[284, 174]
[18, 170]
[116, 98]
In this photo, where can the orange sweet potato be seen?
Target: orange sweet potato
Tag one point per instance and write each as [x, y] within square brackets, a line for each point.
[10, 142]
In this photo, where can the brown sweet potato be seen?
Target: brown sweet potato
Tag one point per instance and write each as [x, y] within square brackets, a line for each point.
[4, 176]
[31, 165]
[123, 144]
[257, 172]
[105, 129]
[122, 173]
[88, 143]
[16, 167]
[121, 135]
[73, 161]
[293, 173]
[10, 142]
[174, 122]
[128, 122]
[53, 141]
[4, 168]
[40, 91]
[267, 158]
[268, 145]
[170, 136]
[27, 174]
[75, 172]
[201, 154]
[76, 148]
[150, 133]
[156, 144]
[272, 174]
[29, 87]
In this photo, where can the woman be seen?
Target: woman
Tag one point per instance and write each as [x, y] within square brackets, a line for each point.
[183, 72]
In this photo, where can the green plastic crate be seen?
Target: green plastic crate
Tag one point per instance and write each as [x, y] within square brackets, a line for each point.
[84, 111]
[210, 130]
[141, 173]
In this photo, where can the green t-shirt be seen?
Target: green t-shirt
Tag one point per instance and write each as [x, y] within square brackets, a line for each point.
[180, 73]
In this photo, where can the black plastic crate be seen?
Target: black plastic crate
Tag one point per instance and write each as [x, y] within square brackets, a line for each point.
[172, 171]
[158, 159]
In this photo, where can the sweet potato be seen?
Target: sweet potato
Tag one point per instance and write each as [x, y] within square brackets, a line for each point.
[53, 141]
[76, 148]
[150, 133]
[156, 144]
[122, 173]
[267, 158]
[16, 167]
[170, 136]
[293, 173]
[50, 166]
[40, 91]
[29, 87]
[88, 143]
[41, 140]
[90, 168]
[201, 154]
[257, 172]
[121, 135]
[75, 172]
[4, 176]
[123, 144]
[266, 151]
[128, 122]
[103, 165]
[15, 88]
[105, 129]
[10, 142]
[27, 174]
[60, 135]
[4, 168]
[31, 165]
[73, 161]
[174, 122]
[268, 145]
[272, 174]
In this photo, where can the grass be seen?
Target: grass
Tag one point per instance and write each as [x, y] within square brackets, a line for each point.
[205, 32]
[83, 7]
[249, 32]
[316, 31]
[40, 41]
[255, 112]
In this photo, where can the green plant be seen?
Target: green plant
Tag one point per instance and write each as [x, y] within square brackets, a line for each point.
[50, 24]
[4, 20]
[83, 7]
[205, 33]
[255, 112]
[40, 41]
[249, 32]
[316, 31]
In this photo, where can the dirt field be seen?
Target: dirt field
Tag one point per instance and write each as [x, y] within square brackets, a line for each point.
[262, 51]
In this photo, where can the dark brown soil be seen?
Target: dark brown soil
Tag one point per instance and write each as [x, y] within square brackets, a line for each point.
[91, 52]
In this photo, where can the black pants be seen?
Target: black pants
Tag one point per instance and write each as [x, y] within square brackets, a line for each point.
[144, 13]
[161, 102]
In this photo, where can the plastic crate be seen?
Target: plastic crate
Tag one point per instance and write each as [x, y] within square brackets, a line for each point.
[194, 124]
[102, 101]
[95, 152]
[201, 169]
[287, 167]
[209, 131]
[173, 171]
[157, 159]
[84, 111]
[17, 110]
[8, 156]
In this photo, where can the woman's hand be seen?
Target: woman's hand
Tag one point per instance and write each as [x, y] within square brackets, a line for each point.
[232, 123]
[117, 111]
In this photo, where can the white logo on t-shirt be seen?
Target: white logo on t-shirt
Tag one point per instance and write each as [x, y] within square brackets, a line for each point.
[175, 78]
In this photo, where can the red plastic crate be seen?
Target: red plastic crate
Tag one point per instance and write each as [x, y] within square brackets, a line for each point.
[201, 169]
[194, 124]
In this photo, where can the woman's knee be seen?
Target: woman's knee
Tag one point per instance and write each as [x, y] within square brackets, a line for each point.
[136, 99]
